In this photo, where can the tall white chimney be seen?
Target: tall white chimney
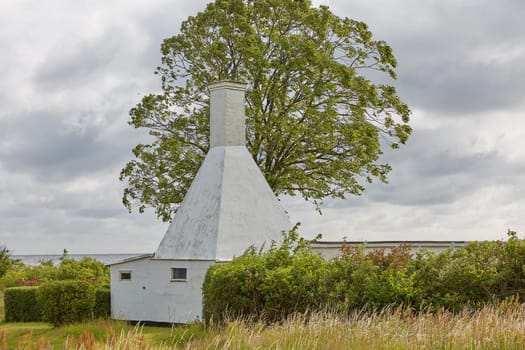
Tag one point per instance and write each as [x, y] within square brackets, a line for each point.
[227, 114]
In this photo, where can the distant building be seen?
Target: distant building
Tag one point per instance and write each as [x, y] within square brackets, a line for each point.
[228, 207]
[331, 250]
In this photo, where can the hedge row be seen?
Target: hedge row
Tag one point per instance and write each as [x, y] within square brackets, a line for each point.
[86, 269]
[291, 278]
[58, 303]
[21, 305]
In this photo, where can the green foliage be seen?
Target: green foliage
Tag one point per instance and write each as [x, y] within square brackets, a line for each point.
[65, 302]
[86, 269]
[315, 117]
[298, 286]
[85, 272]
[102, 307]
[480, 272]
[291, 278]
[511, 266]
[231, 290]
[375, 280]
[21, 305]
[269, 285]
[6, 262]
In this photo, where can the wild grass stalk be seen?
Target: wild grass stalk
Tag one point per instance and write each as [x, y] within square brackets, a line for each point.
[492, 327]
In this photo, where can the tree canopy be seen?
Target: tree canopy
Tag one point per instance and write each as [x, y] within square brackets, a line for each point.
[315, 120]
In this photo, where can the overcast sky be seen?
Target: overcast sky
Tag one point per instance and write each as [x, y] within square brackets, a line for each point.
[71, 70]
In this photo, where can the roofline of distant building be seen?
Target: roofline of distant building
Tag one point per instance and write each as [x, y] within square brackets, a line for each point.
[133, 258]
[390, 242]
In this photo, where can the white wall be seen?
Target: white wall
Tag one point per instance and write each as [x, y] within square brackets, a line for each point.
[330, 250]
[151, 295]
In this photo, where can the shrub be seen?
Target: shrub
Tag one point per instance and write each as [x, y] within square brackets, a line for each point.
[471, 276]
[511, 266]
[269, 285]
[65, 302]
[21, 305]
[86, 269]
[291, 278]
[102, 308]
[232, 290]
[298, 286]
[5, 260]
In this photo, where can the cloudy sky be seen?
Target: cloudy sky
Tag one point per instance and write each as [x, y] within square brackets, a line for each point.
[71, 70]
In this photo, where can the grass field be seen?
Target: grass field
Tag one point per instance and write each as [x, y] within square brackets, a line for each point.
[501, 327]
[94, 335]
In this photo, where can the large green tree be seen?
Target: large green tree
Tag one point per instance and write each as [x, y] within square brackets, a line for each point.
[316, 121]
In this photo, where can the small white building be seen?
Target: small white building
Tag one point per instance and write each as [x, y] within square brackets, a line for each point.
[228, 207]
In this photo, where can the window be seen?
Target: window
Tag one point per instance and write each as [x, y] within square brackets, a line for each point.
[125, 275]
[178, 274]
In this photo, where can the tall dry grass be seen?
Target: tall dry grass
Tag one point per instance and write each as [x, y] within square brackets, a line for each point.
[500, 327]
[493, 327]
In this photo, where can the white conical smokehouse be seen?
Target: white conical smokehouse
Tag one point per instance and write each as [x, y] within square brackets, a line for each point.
[228, 207]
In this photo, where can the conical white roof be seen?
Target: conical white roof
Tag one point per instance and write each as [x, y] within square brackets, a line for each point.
[229, 205]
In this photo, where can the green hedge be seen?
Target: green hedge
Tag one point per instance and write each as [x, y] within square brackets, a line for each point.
[291, 278]
[102, 308]
[270, 285]
[21, 305]
[65, 302]
[62, 301]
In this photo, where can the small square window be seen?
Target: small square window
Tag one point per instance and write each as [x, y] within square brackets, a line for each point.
[178, 274]
[125, 276]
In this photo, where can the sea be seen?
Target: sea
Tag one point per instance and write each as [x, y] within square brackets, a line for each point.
[106, 259]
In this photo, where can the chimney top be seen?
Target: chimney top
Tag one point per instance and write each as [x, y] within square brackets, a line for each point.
[227, 84]
[227, 113]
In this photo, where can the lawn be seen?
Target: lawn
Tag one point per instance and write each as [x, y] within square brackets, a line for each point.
[92, 334]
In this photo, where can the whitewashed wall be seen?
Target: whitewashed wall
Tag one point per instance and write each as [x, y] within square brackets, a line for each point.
[151, 295]
[330, 250]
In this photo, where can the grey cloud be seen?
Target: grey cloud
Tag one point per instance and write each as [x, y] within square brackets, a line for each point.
[443, 50]
[99, 213]
[64, 70]
[433, 170]
[51, 152]
[439, 167]
[120, 47]
[463, 88]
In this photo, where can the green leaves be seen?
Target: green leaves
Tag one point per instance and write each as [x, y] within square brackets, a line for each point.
[315, 120]
[6, 262]
[291, 278]
[65, 302]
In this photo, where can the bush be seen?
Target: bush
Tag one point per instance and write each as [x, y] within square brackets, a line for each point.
[232, 290]
[21, 305]
[102, 308]
[5, 260]
[291, 278]
[374, 280]
[65, 302]
[298, 286]
[86, 269]
[269, 285]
